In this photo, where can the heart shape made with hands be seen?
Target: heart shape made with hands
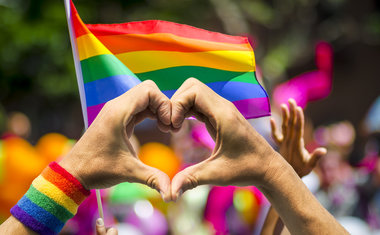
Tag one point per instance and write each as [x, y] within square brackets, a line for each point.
[236, 142]
[238, 147]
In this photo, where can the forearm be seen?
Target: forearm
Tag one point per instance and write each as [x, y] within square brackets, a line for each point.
[298, 208]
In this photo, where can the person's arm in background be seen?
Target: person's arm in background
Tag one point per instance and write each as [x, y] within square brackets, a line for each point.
[292, 148]
[102, 158]
[242, 157]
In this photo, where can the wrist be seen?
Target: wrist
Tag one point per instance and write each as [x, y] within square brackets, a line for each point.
[74, 164]
[277, 170]
[51, 200]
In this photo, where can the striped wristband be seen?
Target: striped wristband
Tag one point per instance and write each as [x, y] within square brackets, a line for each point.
[52, 199]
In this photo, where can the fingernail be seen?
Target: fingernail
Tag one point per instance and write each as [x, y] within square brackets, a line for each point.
[100, 222]
[162, 195]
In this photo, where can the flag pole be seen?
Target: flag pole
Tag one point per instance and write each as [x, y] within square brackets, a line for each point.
[78, 71]
[78, 68]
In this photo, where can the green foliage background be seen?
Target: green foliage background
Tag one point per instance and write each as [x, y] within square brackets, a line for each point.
[36, 67]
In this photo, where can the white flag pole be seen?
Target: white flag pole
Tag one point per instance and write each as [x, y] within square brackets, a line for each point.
[78, 71]
[78, 68]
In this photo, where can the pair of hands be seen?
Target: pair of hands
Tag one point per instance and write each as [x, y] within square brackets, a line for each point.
[104, 155]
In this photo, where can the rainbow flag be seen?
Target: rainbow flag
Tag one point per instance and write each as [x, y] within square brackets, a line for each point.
[112, 58]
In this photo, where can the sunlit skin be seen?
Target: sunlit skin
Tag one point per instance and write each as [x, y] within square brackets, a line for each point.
[290, 141]
[241, 156]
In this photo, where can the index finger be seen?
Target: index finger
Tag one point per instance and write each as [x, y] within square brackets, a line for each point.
[194, 97]
[145, 96]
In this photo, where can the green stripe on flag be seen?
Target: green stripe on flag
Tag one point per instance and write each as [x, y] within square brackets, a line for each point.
[172, 78]
[102, 66]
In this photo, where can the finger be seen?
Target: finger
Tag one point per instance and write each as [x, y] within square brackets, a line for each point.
[275, 135]
[195, 95]
[100, 228]
[112, 231]
[182, 101]
[205, 172]
[299, 124]
[144, 115]
[202, 118]
[162, 127]
[292, 118]
[183, 181]
[180, 112]
[145, 96]
[285, 119]
[316, 155]
[137, 119]
[155, 179]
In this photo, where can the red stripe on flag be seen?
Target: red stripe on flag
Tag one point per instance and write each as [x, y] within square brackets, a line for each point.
[159, 26]
[78, 25]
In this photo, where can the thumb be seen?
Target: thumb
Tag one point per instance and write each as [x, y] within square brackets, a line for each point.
[155, 179]
[189, 178]
[316, 155]
[100, 228]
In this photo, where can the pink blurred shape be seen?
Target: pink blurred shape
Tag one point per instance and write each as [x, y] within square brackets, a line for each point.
[201, 136]
[219, 200]
[310, 86]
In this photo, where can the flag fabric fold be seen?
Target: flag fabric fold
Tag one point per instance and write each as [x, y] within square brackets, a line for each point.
[116, 57]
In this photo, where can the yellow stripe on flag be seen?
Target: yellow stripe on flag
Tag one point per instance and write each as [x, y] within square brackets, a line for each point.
[89, 46]
[146, 61]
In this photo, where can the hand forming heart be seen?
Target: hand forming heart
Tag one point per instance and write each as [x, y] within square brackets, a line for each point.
[240, 157]
[104, 155]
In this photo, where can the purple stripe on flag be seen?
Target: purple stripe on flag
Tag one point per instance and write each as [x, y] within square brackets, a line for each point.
[250, 108]
[253, 108]
[93, 111]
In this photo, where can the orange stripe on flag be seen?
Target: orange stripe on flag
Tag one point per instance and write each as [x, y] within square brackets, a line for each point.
[165, 42]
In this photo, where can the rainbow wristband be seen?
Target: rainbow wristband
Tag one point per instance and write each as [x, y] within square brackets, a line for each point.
[52, 199]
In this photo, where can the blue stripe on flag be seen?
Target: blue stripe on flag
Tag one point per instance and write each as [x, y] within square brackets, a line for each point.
[103, 90]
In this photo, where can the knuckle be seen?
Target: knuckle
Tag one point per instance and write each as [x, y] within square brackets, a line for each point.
[193, 82]
[148, 86]
[109, 106]
[176, 103]
[148, 83]
[190, 181]
[151, 181]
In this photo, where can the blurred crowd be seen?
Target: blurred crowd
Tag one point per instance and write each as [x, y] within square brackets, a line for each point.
[36, 76]
[346, 181]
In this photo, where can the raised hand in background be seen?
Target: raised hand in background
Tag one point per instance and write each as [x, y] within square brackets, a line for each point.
[292, 149]
[291, 142]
